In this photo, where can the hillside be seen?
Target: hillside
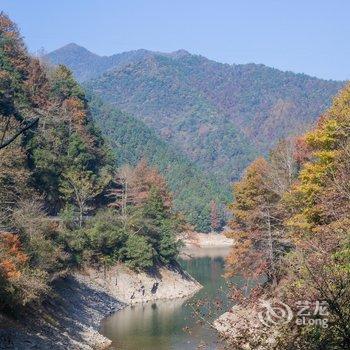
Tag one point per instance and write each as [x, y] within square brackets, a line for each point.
[132, 140]
[63, 203]
[87, 65]
[221, 116]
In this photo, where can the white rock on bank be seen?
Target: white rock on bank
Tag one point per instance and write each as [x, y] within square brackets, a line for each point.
[130, 287]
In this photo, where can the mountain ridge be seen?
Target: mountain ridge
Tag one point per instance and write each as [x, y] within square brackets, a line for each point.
[85, 64]
[132, 140]
[56, 56]
[220, 116]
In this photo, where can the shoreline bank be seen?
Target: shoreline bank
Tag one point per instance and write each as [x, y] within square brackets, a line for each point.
[193, 239]
[70, 318]
[129, 287]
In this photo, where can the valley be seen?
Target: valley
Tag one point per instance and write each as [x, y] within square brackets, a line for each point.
[162, 200]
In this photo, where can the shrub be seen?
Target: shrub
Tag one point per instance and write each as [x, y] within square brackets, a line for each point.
[139, 253]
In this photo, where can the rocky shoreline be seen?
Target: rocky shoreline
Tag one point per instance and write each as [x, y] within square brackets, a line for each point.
[193, 239]
[129, 287]
[70, 318]
[242, 328]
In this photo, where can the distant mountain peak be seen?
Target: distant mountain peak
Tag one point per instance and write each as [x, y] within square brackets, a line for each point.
[73, 49]
[86, 64]
[72, 45]
[180, 53]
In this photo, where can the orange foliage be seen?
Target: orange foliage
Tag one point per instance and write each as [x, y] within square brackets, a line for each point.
[136, 183]
[302, 152]
[13, 45]
[37, 84]
[146, 178]
[12, 257]
[76, 110]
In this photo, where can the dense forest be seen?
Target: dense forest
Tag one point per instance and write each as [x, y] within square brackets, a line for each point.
[111, 172]
[219, 115]
[291, 219]
[132, 140]
[206, 120]
[63, 202]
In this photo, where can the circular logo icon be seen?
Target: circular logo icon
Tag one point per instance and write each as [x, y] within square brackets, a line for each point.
[274, 313]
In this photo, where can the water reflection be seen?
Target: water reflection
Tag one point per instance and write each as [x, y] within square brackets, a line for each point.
[160, 325]
[144, 326]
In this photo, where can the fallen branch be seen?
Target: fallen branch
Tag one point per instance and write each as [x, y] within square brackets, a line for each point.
[20, 132]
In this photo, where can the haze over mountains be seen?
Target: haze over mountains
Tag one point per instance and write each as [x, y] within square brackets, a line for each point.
[219, 116]
[87, 65]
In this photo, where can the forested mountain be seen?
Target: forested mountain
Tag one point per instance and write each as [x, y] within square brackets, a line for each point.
[132, 140]
[63, 202]
[221, 116]
[291, 220]
[87, 65]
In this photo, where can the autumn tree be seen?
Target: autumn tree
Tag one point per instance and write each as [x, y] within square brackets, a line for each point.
[214, 216]
[254, 225]
[319, 207]
[143, 203]
[133, 185]
[46, 138]
[14, 94]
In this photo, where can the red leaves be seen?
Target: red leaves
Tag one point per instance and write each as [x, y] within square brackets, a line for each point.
[12, 258]
[214, 216]
[135, 184]
[302, 152]
[76, 110]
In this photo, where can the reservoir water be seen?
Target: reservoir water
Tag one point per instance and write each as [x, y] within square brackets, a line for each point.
[173, 324]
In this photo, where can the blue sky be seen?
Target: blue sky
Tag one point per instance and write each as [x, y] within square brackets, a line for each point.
[309, 36]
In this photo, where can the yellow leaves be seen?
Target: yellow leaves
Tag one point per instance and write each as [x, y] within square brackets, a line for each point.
[311, 177]
[299, 224]
[334, 126]
[325, 156]
[325, 136]
[248, 191]
[340, 109]
[237, 234]
[327, 147]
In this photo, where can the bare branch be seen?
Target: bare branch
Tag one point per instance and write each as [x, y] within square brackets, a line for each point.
[20, 132]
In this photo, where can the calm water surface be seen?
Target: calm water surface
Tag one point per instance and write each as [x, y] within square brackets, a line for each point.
[160, 325]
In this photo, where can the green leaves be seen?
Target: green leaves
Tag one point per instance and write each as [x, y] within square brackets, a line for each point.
[139, 253]
[64, 86]
[132, 140]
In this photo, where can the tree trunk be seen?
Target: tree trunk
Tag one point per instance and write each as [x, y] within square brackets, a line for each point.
[271, 250]
[81, 215]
